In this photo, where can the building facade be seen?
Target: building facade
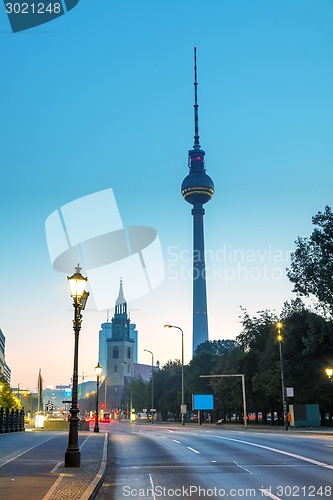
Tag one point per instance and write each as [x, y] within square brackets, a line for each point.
[4, 368]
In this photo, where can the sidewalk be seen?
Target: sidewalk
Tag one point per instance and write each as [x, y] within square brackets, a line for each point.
[38, 472]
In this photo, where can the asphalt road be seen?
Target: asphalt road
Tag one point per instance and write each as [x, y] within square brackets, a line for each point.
[165, 461]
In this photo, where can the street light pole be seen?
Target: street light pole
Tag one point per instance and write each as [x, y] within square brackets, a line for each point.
[131, 402]
[178, 328]
[285, 413]
[152, 383]
[76, 285]
[98, 373]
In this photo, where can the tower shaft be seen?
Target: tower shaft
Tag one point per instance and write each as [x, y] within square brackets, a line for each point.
[200, 321]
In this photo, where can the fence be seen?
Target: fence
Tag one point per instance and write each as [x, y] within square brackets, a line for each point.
[11, 421]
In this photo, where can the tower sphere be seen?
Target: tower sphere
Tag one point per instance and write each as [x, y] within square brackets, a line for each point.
[197, 187]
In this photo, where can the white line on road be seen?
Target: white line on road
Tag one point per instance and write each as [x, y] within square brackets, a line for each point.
[242, 467]
[192, 449]
[175, 440]
[152, 486]
[55, 468]
[269, 494]
[299, 457]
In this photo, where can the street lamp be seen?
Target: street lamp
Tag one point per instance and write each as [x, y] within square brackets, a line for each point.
[329, 373]
[131, 404]
[77, 284]
[152, 384]
[285, 414]
[172, 326]
[98, 370]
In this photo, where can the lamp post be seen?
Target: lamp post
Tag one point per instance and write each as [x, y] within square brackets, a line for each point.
[98, 370]
[131, 403]
[152, 383]
[178, 328]
[76, 285]
[285, 413]
[104, 379]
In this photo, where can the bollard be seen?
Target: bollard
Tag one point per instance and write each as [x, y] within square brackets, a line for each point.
[12, 421]
[22, 420]
[1, 421]
[16, 421]
[7, 420]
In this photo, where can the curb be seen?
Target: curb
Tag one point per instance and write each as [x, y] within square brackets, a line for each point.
[93, 488]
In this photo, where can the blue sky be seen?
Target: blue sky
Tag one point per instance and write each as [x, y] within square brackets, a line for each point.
[103, 97]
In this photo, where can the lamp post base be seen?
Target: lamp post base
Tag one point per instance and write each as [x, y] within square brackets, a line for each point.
[72, 458]
[96, 429]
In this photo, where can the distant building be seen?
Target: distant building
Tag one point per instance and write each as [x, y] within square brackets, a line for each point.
[4, 368]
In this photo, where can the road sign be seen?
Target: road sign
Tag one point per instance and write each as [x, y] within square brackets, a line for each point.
[183, 409]
[152, 409]
[144, 410]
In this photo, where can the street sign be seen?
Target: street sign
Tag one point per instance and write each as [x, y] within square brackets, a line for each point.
[289, 392]
[152, 409]
[183, 409]
[144, 410]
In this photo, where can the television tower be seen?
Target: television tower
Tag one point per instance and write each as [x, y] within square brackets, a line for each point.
[198, 188]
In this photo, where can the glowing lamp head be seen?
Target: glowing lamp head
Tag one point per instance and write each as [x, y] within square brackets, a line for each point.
[77, 284]
[98, 370]
[329, 372]
[279, 325]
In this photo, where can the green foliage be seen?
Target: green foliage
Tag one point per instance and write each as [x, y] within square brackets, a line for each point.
[168, 387]
[311, 269]
[216, 346]
[203, 363]
[7, 396]
[139, 393]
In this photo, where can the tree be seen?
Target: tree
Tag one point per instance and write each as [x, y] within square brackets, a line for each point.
[312, 262]
[201, 364]
[139, 393]
[216, 346]
[7, 397]
[168, 389]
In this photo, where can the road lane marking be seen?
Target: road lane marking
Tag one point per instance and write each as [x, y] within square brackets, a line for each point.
[269, 494]
[293, 455]
[175, 440]
[55, 468]
[192, 449]
[152, 486]
[242, 467]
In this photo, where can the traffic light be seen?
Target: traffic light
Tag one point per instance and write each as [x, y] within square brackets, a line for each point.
[103, 405]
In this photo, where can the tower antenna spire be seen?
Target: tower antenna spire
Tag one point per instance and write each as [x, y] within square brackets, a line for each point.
[196, 105]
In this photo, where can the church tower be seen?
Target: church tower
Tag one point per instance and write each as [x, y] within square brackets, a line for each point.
[120, 354]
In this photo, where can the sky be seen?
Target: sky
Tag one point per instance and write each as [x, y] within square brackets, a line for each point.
[101, 98]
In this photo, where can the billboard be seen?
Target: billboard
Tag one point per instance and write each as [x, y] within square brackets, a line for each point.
[203, 402]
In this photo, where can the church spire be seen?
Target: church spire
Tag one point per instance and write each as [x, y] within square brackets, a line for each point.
[121, 305]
